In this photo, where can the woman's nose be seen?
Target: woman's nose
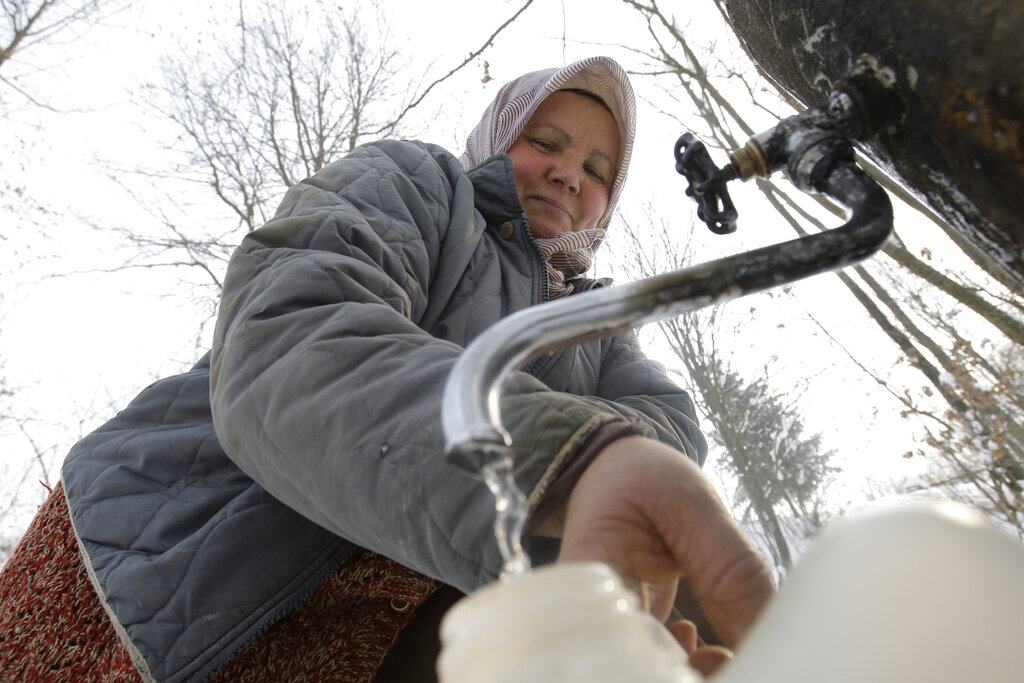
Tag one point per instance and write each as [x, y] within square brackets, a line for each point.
[566, 174]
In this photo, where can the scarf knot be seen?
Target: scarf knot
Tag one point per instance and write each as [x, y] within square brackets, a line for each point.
[567, 257]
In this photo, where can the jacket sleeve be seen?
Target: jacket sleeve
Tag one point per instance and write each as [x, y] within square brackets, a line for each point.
[326, 391]
[639, 391]
[639, 388]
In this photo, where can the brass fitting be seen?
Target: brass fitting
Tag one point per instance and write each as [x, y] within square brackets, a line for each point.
[747, 162]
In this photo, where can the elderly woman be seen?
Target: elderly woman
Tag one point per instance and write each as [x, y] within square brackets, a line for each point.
[286, 509]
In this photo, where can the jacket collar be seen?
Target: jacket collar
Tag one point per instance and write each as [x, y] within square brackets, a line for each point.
[494, 187]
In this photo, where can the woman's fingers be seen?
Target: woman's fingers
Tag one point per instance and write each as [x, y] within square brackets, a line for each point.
[685, 632]
[704, 658]
[707, 659]
[649, 512]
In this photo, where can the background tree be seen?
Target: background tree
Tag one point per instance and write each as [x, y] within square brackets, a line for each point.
[34, 40]
[976, 444]
[778, 473]
[253, 110]
[35, 36]
[258, 109]
[979, 451]
[29, 31]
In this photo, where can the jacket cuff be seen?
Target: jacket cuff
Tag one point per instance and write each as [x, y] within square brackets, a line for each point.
[567, 473]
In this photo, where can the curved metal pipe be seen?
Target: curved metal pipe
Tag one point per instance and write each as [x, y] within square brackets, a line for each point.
[470, 411]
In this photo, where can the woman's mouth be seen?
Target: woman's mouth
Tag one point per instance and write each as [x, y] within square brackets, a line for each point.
[552, 203]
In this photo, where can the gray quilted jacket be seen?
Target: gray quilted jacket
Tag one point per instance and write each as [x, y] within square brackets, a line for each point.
[219, 498]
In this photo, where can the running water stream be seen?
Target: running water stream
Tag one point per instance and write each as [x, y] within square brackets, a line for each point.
[562, 622]
[510, 517]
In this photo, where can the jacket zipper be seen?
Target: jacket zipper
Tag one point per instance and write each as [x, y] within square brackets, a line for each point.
[537, 364]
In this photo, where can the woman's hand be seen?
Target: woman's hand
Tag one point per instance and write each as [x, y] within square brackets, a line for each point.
[648, 511]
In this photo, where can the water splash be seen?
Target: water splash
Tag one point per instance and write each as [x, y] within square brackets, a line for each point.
[510, 517]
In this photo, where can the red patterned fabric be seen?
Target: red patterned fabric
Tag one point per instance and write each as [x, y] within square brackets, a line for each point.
[53, 627]
[342, 631]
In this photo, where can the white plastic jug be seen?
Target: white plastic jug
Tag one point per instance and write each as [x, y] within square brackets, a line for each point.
[931, 593]
[561, 623]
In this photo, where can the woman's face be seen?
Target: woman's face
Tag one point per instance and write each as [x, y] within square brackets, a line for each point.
[565, 163]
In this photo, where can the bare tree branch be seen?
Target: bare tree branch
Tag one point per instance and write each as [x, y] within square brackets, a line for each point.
[26, 26]
[469, 58]
[261, 109]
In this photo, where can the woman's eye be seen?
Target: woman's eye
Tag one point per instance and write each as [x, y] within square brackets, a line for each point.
[543, 144]
[596, 174]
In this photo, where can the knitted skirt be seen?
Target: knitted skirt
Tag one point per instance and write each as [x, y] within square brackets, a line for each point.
[54, 628]
[52, 625]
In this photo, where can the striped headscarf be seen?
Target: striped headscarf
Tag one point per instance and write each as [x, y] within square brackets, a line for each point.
[568, 255]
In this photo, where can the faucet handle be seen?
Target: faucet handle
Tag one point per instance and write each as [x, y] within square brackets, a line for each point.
[706, 185]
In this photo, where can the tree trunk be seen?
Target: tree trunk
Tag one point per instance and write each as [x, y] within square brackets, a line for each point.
[955, 70]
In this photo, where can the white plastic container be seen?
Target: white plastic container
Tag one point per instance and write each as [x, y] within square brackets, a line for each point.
[559, 624]
[912, 594]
